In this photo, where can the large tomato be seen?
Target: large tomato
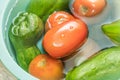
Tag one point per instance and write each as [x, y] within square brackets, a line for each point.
[45, 67]
[65, 38]
[57, 18]
[87, 7]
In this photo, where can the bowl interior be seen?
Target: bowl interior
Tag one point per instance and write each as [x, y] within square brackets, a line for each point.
[16, 6]
[11, 10]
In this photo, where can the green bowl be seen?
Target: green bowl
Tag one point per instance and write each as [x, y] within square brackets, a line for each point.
[10, 8]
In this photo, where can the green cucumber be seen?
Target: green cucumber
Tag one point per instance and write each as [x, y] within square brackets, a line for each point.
[24, 33]
[105, 65]
[112, 30]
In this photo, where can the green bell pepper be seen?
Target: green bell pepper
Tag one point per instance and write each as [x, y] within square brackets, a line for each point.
[43, 8]
[24, 33]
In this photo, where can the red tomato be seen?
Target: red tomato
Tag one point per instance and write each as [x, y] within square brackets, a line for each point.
[63, 39]
[88, 7]
[45, 67]
[57, 18]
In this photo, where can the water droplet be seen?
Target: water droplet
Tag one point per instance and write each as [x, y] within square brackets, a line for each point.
[62, 35]
[61, 20]
[71, 27]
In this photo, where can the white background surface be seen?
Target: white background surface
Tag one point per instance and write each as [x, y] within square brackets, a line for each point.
[5, 74]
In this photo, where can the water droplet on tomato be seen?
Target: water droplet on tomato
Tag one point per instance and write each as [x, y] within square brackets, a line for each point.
[62, 35]
[71, 27]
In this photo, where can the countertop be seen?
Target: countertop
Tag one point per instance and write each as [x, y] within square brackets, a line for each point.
[5, 74]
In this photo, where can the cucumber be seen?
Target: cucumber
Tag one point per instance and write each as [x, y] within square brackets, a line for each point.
[105, 65]
[112, 30]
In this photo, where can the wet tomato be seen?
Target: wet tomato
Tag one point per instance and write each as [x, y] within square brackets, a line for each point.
[87, 7]
[57, 18]
[45, 67]
[65, 38]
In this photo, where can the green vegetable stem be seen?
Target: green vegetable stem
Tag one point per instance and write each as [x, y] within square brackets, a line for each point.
[112, 30]
[24, 33]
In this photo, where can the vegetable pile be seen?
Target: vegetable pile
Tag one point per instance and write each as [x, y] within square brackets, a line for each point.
[63, 32]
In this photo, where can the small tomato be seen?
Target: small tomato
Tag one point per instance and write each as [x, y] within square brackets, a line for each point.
[65, 38]
[57, 18]
[45, 67]
[87, 7]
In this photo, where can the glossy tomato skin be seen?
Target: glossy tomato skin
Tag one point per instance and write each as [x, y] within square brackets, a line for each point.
[62, 40]
[45, 67]
[88, 7]
[57, 18]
